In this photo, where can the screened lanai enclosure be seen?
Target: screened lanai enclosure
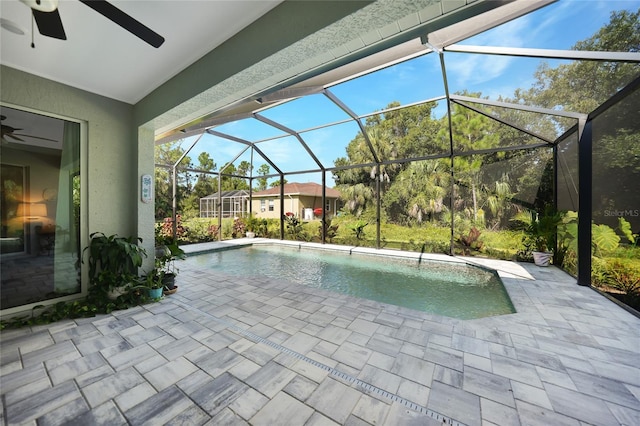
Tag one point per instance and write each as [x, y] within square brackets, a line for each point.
[458, 138]
[225, 204]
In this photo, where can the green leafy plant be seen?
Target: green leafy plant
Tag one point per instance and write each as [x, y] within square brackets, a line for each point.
[252, 223]
[330, 231]
[604, 239]
[239, 228]
[164, 273]
[154, 278]
[164, 230]
[293, 225]
[542, 229]
[623, 277]
[471, 241]
[113, 260]
[358, 229]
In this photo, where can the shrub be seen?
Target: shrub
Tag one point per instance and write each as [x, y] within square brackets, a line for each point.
[623, 277]
[330, 231]
[471, 241]
[293, 225]
[239, 228]
[358, 229]
[212, 231]
[198, 231]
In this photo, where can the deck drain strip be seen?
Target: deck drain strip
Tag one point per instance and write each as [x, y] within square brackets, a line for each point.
[336, 373]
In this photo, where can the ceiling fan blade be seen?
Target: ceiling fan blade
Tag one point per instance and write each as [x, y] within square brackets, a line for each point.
[49, 24]
[14, 135]
[130, 24]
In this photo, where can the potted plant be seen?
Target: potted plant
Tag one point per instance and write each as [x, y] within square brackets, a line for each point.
[251, 224]
[541, 235]
[114, 263]
[165, 263]
[154, 283]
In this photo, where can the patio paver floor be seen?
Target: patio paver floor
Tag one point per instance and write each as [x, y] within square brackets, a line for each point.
[259, 351]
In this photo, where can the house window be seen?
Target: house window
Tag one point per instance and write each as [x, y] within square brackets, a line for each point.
[263, 204]
[328, 206]
[271, 203]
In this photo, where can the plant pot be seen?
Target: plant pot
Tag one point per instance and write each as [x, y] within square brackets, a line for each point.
[541, 258]
[154, 293]
[169, 281]
[116, 292]
[172, 291]
[162, 251]
[250, 234]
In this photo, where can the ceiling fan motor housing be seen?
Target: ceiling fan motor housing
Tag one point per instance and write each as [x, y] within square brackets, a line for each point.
[42, 5]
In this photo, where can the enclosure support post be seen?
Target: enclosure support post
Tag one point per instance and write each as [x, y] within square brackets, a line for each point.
[585, 154]
[174, 201]
[555, 199]
[281, 206]
[219, 201]
[323, 224]
[250, 196]
[378, 202]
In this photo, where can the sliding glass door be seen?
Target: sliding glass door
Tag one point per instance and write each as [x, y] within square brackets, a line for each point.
[40, 208]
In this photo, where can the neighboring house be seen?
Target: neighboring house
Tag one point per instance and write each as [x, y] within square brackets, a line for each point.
[299, 198]
[234, 204]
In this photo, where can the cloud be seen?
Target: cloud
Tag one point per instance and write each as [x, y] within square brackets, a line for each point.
[464, 70]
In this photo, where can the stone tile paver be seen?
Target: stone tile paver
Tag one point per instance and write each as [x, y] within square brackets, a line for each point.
[282, 409]
[567, 357]
[334, 399]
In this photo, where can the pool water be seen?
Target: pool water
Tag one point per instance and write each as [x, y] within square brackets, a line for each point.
[443, 288]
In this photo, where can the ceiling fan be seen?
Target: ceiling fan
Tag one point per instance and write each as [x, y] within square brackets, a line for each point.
[47, 17]
[9, 132]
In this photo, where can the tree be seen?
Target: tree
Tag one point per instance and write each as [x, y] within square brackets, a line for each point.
[394, 136]
[277, 183]
[419, 193]
[572, 86]
[584, 85]
[470, 131]
[205, 185]
[166, 156]
[263, 170]
[230, 179]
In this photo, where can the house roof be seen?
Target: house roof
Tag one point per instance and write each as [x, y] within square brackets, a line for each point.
[309, 189]
[229, 194]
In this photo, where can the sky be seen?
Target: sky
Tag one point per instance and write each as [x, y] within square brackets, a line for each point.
[557, 26]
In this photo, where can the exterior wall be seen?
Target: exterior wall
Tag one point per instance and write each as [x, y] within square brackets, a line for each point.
[109, 147]
[295, 204]
[290, 205]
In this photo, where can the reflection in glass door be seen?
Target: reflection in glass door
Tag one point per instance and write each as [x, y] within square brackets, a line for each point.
[12, 190]
[40, 208]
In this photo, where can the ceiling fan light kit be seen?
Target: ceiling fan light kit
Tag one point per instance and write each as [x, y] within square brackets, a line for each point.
[47, 17]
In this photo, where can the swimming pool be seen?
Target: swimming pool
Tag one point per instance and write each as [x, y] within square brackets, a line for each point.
[445, 288]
